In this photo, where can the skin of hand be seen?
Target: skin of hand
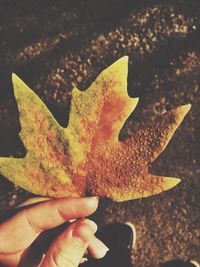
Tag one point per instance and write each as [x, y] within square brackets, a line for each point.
[37, 235]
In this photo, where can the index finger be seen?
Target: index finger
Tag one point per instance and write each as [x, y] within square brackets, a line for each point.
[22, 229]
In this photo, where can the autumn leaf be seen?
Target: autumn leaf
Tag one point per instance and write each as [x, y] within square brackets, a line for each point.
[86, 158]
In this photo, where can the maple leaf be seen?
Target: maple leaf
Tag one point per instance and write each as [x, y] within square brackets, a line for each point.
[86, 158]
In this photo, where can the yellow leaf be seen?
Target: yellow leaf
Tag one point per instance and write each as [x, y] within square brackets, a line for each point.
[86, 158]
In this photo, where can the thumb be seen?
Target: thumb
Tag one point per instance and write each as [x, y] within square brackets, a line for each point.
[69, 248]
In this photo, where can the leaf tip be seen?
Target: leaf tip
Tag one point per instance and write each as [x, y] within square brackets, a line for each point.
[180, 113]
[184, 109]
[15, 78]
[17, 82]
[169, 182]
[123, 60]
[136, 100]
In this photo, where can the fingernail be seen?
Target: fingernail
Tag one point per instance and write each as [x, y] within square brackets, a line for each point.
[92, 201]
[85, 230]
[94, 198]
[91, 224]
[83, 260]
[100, 248]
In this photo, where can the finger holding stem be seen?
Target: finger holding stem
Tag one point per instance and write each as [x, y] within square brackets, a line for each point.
[69, 248]
[40, 217]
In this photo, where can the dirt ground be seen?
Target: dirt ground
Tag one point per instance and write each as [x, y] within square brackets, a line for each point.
[54, 47]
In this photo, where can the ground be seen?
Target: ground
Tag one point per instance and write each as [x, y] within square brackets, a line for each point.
[54, 47]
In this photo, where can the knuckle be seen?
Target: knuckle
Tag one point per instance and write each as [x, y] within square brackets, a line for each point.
[61, 258]
[30, 223]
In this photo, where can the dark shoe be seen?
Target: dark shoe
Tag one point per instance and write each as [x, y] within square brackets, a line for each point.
[179, 263]
[119, 238]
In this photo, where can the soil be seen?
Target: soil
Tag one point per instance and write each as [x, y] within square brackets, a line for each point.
[55, 45]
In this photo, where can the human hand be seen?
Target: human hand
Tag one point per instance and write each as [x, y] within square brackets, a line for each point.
[22, 237]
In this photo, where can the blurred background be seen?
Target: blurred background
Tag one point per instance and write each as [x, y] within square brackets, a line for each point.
[55, 45]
